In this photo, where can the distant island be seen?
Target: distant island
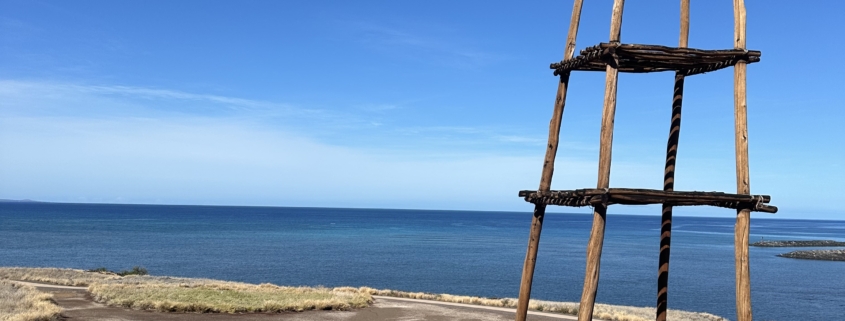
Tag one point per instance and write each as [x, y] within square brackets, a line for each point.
[18, 201]
[826, 255]
[811, 243]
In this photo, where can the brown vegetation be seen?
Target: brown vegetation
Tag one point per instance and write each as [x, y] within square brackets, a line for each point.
[204, 296]
[70, 277]
[169, 294]
[20, 302]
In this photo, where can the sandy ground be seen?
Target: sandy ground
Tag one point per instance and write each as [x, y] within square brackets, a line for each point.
[78, 305]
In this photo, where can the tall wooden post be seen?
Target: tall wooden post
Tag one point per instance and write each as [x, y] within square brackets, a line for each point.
[669, 175]
[548, 170]
[594, 247]
[742, 228]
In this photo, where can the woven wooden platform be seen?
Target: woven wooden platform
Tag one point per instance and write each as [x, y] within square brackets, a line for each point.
[639, 58]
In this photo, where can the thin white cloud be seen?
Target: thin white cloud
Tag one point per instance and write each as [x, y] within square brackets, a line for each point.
[371, 126]
[44, 98]
[522, 139]
[443, 49]
[378, 108]
[442, 129]
[171, 94]
[13, 89]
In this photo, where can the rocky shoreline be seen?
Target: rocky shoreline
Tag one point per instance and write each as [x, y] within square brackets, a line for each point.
[827, 255]
[811, 243]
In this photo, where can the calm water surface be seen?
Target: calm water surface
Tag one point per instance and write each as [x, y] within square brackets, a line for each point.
[458, 252]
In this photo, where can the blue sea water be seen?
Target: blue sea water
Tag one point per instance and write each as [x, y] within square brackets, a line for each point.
[457, 252]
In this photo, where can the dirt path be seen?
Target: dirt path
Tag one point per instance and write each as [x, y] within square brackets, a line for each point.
[78, 305]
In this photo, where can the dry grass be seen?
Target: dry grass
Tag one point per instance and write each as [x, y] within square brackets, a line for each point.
[192, 295]
[55, 276]
[204, 296]
[601, 311]
[19, 302]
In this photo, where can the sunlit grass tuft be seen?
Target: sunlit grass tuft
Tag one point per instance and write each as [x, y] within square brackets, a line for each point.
[212, 296]
[168, 294]
[55, 276]
[20, 302]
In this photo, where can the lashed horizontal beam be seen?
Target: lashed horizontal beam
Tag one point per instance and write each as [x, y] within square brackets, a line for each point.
[629, 196]
[639, 58]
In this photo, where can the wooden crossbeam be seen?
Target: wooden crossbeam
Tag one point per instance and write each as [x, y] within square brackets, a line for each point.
[630, 196]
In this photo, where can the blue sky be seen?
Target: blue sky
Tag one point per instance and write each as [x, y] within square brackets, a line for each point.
[397, 104]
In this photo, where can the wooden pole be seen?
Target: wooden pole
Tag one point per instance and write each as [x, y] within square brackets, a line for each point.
[742, 228]
[669, 175]
[594, 247]
[548, 170]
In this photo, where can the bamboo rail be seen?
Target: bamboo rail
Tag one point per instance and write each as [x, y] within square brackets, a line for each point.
[548, 170]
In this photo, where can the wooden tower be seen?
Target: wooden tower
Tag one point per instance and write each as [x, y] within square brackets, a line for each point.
[614, 57]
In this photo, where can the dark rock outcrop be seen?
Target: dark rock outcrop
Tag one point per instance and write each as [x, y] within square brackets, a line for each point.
[827, 255]
[797, 243]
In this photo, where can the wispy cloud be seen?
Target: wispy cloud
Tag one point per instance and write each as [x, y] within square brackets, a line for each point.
[28, 89]
[505, 138]
[34, 98]
[426, 48]
[441, 129]
[172, 94]
[378, 108]
[15, 30]
[367, 125]
[522, 139]
[481, 137]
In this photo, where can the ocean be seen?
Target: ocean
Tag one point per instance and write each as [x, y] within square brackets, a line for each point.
[457, 252]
